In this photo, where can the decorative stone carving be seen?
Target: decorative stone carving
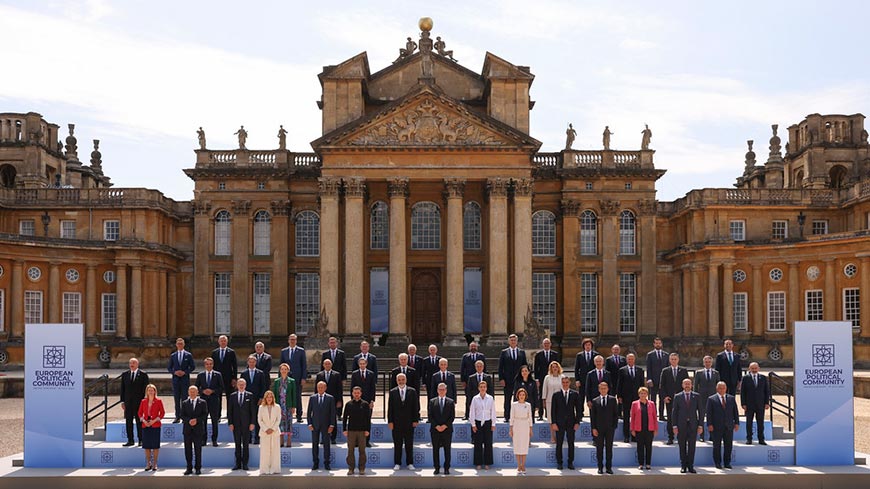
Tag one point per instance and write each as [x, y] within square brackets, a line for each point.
[864, 136]
[200, 136]
[240, 207]
[609, 207]
[201, 207]
[534, 333]
[646, 137]
[282, 138]
[329, 186]
[646, 207]
[570, 208]
[408, 50]
[605, 137]
[72, 146]
[750, 158]
[354, 187]
[97, 157]
[497, 187]
[523, 187]
[441, 46]
[243, 137]
[455, 187]
[281, 207]
[398, 187]
[318, 333]
[775, 155]
[570, 136]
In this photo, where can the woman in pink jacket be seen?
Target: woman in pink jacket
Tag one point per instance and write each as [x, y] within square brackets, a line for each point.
[644, 426]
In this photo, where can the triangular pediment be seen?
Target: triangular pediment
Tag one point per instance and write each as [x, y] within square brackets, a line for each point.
[426, 117]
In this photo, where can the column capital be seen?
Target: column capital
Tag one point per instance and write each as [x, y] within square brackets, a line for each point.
[281, 207]
[497, 187]
[570, 208]
[329, 186]
[646, 207]
[398, 187]
[455, 187]
[523, 187]
[354, 187]
[729, 264]
[240, 207]
[609, 207]
[201, 207]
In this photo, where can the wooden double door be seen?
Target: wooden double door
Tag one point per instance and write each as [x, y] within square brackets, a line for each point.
[426, 306]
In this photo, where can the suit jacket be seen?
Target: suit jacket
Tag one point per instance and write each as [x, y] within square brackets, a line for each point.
[264, 363]
[531, 387]
[508, 368]
[339, 363]
[216, 384]
[722, 418]
[566, 414]
[602, 417]
[687, 413]
[591, 384]
[368, 386]
[229, 367]
[437, 416]
[705, 388]
[654, 366]
[626, 386]
[670, 385]
[133, 391]
[196, 409]
[613, 364]
[334, 385]
[258, 385]
[471, 386]
[412, 375]
[753, 396]
[186, 364]
[427, 368]
[542, 365]
[241, 415]
[416, 361]
[467, 368]
[371, 365]
[403, 414]
[436, 379]
[582, 367]
[730, 373]
[321, 415]
[298, 363]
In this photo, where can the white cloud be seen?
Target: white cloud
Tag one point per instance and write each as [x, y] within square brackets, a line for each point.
[637, 44]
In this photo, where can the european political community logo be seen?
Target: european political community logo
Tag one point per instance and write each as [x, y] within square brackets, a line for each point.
[823, 355]
[53, 356]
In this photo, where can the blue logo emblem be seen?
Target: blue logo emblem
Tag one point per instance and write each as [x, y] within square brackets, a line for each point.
[823, 355]
[464, 457]
[507, 457]
[285, 457]
[551, 457]
[53, 356]
[107, 457]
[773, 456]
[377, 433]
[295, 431]
[374, 458]
[418, 458]
[169, 432]
[503, 431]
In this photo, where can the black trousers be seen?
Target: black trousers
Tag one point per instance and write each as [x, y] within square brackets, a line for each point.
[656, 396]
[604, 448]
[255, 435]
[644, 447]
[179, 392]
[242, 437]
[319, 437]
[758, 414]
[483, 443]
[718, 437]
[508, 399]
[670, 426]
[441, 440]
[561, 435]
[731, 388]
[335, 431]
[298, 399]
[686, 439]
[131, 416]
[193, 447]
[214, 412]
[541, 400]
[403, 437]
[626, 417]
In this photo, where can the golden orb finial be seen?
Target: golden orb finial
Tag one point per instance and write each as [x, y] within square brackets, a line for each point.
[425, 24]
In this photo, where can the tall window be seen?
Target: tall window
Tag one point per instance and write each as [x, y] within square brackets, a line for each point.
[627, 233]
[2, 310]
[588, 233]
[544, 300]
[779, 230]
[26, 227]
[776, 311]
[740, 311]
[72, 308]
[425, 226]
[262, 293]
[222, 303]
[307, 234]
[471, 228]
[32, 307]
[111, 230]
[738, 230]
[814, 305]
[109, 313]
[68, 229]
[262, 233]
[222, 233]
[380, 226]
[852, 307]
[627, 303]
[307, 301]
[820, 227]
[588, 303]
[543, 234]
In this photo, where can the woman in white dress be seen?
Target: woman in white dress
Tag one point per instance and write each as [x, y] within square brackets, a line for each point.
[522, 418]
[269, 417]
[552, 384]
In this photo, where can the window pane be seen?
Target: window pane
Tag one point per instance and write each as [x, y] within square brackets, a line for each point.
[380, 226]
[776, 311]
[307, 234]
[222, 234]
[110, 313]
[72, 308]
[820, 227]
[544, 300]
[307, 301]
[627, 233]
[543, 234]
[627, 303]
[32, 307]
[471, 228]
[589, 303]
[814, 305]
[425, 227]
[222, 303]
[738, 230]
[262, 294]
[26, 228]
[852, 306]
[588, 233]
[740, 311]
[262, 233]
[779, 230]
[68, 229]
[111, 230]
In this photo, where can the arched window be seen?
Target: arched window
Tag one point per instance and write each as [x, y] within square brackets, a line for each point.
[425, 226]
[798, 179]
[262, 233]
[471, 229]
[307, 234]
[588, 233]
[543, 234]
[222, 233]
[838, 176]
[627, 233]
[7, 176]
[380, 226]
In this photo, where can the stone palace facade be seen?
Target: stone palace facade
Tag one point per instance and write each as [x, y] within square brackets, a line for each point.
[426, 212]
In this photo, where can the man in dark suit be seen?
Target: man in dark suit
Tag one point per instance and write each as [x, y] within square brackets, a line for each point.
[629, 379]
[366, 381]
[264, 360]
[294, 356]
[442, 376]
[133, 384]
[412, 375]
[227, 364]
[656, 360]
[466, 368]
[686, 411]
[257, 384]
[403, 415]
[336, 356]
[180, 366]
[705, 381]
[371, 360]
[755, 400]
[473, 381]
[604, 417]
[728, 366]
[322, 417]
[334, 385]
[241, 416]
[510, 361]
[211, 386]
[429, 367]
[542, 366]
[566, 414]
[583, 363]
[670, 385]
[442, 412]
[596, 376]
[723, 421]
[615, 361]
[194, 414]
[414, 361]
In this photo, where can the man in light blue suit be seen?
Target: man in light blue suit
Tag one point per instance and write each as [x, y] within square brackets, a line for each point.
[294, 356]
[180, 366]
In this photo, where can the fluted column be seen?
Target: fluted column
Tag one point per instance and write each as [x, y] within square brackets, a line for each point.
[455, 263]
[279, 309]
[241, 294]
[92, 316]
[794, 299]
[713, 300]
[728, 298]
[610, 275]
[757, 328]
[121, 301]
[497, 257]
[398, 189]
[54, 293]
[203, 284]
[329, 256]
[136, 302]
[162, 304]
[522, 279]
[172, 291]
[17, 300]
[570, 243]
[648, 268]
[830, 300]
[687, 299]
[677, 285]
[354, 256]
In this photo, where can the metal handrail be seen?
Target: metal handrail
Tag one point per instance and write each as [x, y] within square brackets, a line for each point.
[780, 386]
[102, 408]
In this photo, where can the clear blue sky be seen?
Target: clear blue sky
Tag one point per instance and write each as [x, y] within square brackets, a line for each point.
[141, 76]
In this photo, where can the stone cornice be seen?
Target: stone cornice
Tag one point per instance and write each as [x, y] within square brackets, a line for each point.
[398, 187]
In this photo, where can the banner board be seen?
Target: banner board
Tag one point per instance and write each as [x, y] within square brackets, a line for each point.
[379, 300]
[473, 301]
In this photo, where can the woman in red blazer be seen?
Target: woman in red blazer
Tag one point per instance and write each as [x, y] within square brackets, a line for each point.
[644, 426]
[151, 412]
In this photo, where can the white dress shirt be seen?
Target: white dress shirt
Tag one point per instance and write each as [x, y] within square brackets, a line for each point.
[482, 409]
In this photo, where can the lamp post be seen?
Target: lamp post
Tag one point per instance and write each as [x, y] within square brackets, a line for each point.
[46, 220]
[802, 219]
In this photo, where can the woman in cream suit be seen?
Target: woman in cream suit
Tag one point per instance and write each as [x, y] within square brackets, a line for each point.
[552, 384]
[269, 417]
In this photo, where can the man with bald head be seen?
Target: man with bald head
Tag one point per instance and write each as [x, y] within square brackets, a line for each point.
[133, 382]
[334, 385]
[755, 400]
[322, 419]
[241, 416]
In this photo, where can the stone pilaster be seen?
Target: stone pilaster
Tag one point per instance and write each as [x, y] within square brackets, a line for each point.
[203, 324]
[757, 326]
[162, 306]
[241, 294]
[279, 300]
[570, 286]
[687, 300]
[713, 300]
[497, 257]
[136, 301]
[609, 317]
[121, 302]
[648, 268]
[354, 256]
[455, 263]
[728, 298]
[16, 300]
[398, 190]
[54, 293]
[172, 290]
[522, 235]
[830, 300]
[793, 300]
[92, 317]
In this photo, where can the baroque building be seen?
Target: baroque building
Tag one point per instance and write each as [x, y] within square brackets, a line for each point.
[426, 212]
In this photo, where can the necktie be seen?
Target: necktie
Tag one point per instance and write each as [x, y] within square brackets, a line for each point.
[587, 357]
[259, 357]
[730, 359]
[723, 401]
[333, 356]
[686, 396]
[479, 378]
[632, 372]
[675, 372]
[251, 374]
[565, 393]
[708, 375]
[599, 376]
[327, 377]
[660, 355]
[364, 375]
[442, 404]
[604, 401]
[403, 370]
[412, 361]
[133, 377]
[443, 377]
[179, 359]
[513, 355]
[222, 355]
[208, 378]
[320, 399]
[547, 356]
[241, 398]
[402, 394]
[755, 380]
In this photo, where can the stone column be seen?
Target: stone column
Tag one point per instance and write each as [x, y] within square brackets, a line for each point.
[757, 327]
[121, 302]
[203, 324]
[398, 273]
[609, 287]
[793, 301]
[17, 299]
[92, 317]
[162, 308]
[136, 302]
[648, 268]
[713, 300]
[687, 299]
[522, 238]
[354, 258]
[241, 294]
[329, 256]
[172, 291]
[864, 270]
[455, 264]
[698, 316]
[728, 298]
[54, 292]
[677, 285]
[570, 277]
[279, 300]
[830, 301]
[497, 258]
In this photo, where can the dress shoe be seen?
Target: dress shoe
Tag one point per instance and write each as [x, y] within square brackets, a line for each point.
[719, 466]
[362, 471]
[214, 443]
[558, 467]
[198, 472]
[600, 471]
[749, 442]
[762, 442]
[570, 466]
[446, 471]
[128, 444]
[682, 470]
[148, 468]
[647, 467]
[140, 444]
[625, 440]
[177, 420]
[609, 471]
[188, 472]
[327, 467]
[670, 441]
[349, 471]
[237, 467]
[245, 467]
[315, 467]
[437, 471]
[727, 466]
[692, 470]
[640, 467]
[368, 444]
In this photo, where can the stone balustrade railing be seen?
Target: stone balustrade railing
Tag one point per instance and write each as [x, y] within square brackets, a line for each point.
[596, 159]
[757, 196]
[254, 158]
[93, 197]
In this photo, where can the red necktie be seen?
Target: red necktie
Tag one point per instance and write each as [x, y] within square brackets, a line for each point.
[599, 376]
